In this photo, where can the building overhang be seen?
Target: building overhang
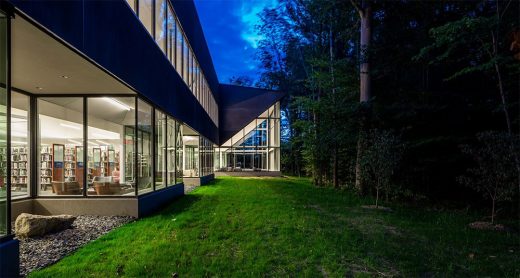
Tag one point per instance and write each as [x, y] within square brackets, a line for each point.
[240, 105]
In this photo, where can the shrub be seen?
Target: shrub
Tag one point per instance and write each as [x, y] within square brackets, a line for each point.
[495, 174]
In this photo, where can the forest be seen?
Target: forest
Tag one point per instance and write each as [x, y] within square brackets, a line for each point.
[416, 101]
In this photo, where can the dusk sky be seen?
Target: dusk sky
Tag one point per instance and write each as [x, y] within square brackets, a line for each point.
[229, 28]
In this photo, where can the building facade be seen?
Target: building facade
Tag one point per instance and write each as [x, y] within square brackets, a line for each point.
[111, 107]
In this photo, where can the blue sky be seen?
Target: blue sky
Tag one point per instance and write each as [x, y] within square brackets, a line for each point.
[229, 28]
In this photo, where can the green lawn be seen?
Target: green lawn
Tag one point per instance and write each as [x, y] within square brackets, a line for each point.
[287, 227]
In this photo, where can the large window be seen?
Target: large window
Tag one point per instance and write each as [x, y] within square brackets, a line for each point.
[144, 147]
[160, 20]
[145, 14]
[160, 149]
[20, 155]
[178, 50]
[4, 201]
[60, 138]
[160, 24]
[179, 155]
[185, 60]
[110, 147]
[191, 156]
[254, 148]
[171, 35]
[171, 143]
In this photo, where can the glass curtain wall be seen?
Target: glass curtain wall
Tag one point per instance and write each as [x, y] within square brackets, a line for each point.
[145, 14]
[206, 156]
[4, 198]
[110, 147]
[161, 154]
[20, 155]
[171, 153]
[179, 165]
[191, 156]
[114, 157]
[60, 137]
[144, 147]
[160, 24]
[254, 148]
[198, 156]
[158, 17]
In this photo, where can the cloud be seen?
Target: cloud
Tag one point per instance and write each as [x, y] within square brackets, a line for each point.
[248, 14]
[230, 30]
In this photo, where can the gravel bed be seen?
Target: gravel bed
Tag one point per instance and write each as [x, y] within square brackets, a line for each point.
[38, 252]
[189, 188]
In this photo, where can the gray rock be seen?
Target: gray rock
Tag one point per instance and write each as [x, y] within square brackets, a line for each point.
[30, 225]
[39, 252]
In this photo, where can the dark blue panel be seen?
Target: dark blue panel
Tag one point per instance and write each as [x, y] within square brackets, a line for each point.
[240, 105]
[152, 202]
[63, 18]
[109, 33]
[9, 258]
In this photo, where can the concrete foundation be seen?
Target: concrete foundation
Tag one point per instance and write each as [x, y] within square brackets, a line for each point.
[249, 174]
[131, 206]
[197, 181]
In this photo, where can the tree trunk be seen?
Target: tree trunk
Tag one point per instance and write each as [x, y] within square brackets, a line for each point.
[492, 211]
[365, 13]
[377, 196]
[366, 35]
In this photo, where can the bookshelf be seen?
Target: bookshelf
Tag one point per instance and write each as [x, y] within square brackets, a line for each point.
[70, 163]
[45, 167]
[19, 173]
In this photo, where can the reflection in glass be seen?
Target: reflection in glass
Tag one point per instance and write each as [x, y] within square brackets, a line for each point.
[180, 152]
[160, 149]
[145, 14]
[171, 35]
[254, 148]
[191, 156]
[160, 24]
[144, 147]
[170, 154]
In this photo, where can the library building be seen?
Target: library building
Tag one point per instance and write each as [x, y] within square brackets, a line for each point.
[112, 107]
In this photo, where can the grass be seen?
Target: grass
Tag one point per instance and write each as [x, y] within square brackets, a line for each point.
[286, 227]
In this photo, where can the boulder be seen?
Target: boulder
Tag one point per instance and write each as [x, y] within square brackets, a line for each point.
[30, 225]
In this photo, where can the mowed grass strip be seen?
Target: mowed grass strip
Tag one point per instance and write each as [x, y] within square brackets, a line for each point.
[246, 227]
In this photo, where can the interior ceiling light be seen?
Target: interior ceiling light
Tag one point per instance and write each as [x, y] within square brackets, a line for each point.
[75, 142]
[92, 143]
[39, 88]
[71, 126]
[102, 142]
[65, 76]
[117, 103]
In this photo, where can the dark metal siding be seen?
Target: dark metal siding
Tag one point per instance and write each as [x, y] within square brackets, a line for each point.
[109, 33]
[187, 14]
[240, 105]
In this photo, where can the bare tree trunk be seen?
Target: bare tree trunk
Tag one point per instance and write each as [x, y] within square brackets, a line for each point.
[365, 13]
[377, 197]
[366, 35]
[335, 179]
[492, 211]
